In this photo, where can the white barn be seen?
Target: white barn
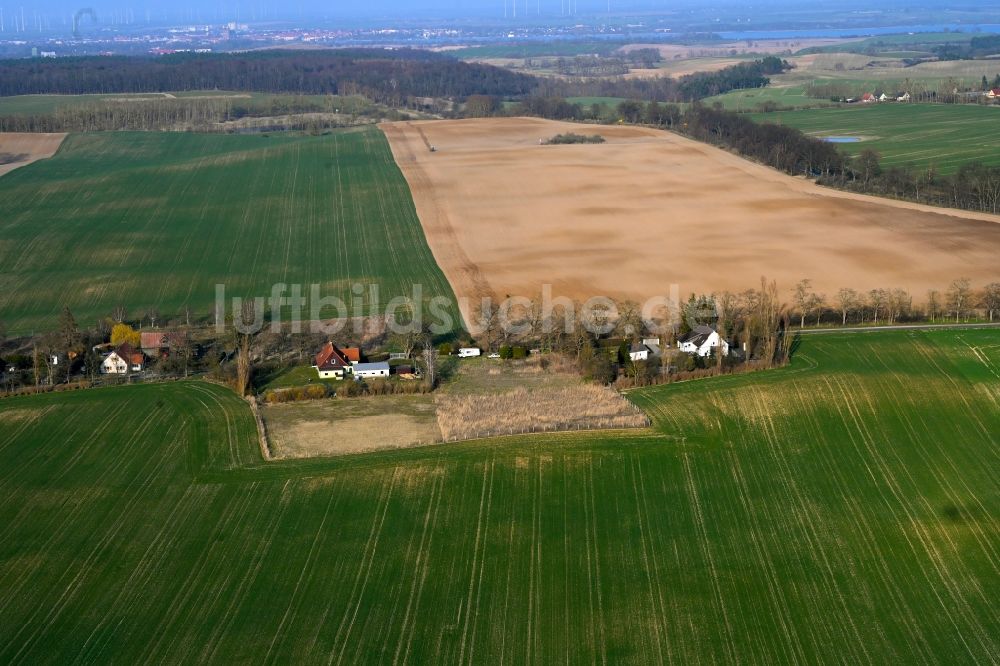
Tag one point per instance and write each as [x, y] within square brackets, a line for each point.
[364, 370]
[701, 341]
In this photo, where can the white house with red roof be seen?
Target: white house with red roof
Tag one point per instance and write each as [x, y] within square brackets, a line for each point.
[332, 362]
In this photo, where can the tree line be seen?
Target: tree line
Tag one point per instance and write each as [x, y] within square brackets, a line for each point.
[959, 302]
[687, 88]
[387, 77]
[974, 186]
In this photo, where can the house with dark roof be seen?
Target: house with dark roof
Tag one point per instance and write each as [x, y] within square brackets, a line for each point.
[639, 352]
[332, 363]
[701, 340]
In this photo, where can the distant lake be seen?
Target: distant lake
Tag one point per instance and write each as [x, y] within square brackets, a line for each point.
[861, 32]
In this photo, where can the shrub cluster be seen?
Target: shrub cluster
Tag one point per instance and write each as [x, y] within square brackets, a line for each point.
[570, 137]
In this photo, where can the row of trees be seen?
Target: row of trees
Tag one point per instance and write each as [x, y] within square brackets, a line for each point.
[198, 113]
[960, 301]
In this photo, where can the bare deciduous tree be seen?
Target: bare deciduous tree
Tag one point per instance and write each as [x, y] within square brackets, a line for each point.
[958, 296]
[847, 301]
[933, 304]
[245, 332]
[877, 299]
[804, 297]
[991, 298]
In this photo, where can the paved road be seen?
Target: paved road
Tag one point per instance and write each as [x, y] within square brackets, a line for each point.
[899, 327]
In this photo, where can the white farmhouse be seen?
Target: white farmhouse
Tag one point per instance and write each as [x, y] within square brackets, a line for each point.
[701, 341]
[113, 364]
[122, 360]
[638, 352]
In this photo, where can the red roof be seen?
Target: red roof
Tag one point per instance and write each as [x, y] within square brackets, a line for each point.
[160, 339]
[129, 354]
[331, 358]
[353, 354]
[152, 339]
[996, 91]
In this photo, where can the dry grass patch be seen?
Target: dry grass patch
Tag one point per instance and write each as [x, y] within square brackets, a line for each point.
[338, 427]
[580, 407]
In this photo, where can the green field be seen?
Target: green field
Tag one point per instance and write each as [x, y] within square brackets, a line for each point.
[914, 136]
[783, 97]
[39, 104]
[158, 219]
[610, 102]
[844, 509]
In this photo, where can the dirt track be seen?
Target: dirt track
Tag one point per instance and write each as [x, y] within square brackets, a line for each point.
[647, 209]
[25, 148]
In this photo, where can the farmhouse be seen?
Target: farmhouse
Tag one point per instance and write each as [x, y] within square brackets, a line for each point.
[638, 352]
[993, 93]
[903, 97]
[868, 98]
[701, 341]
[332, 362]
[366, 370]
[122, 360]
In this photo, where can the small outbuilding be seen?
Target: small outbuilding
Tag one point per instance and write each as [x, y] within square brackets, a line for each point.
[371, 370]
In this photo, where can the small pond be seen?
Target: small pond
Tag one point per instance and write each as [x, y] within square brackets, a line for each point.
[842, 139]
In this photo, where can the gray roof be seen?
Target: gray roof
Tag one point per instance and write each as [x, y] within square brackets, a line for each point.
[372, 367]
[638, 347]
[698, 335]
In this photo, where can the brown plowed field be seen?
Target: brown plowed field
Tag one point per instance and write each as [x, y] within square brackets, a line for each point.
[647, 209]
[20, 149]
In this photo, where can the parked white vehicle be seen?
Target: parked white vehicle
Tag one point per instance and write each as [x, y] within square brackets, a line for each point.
[468, 352]
[494, 355]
